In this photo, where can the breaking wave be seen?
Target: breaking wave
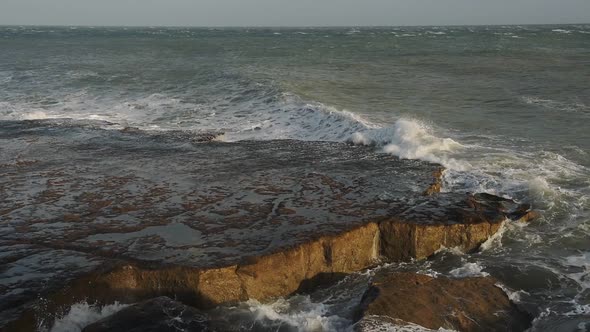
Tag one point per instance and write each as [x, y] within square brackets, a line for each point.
[254, 111]
[288, 117]
[83, 314]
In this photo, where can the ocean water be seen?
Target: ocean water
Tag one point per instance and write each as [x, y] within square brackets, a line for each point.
[506, 109]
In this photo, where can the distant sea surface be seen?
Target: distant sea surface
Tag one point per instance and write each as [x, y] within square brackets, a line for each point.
[506, 109]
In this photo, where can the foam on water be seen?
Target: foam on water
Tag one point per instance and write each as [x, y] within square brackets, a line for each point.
[289, 118]
[257, 112]
[410, 139]
[514, 296]
[577, 107]
[582, 263]
[376, 324]
[469, 270]
[83, 314]
[299, 312]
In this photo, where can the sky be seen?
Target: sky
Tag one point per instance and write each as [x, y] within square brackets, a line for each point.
[292, 12]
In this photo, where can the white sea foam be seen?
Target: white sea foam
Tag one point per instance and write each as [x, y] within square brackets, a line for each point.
[579, 310]
[494, 241]
[410, 139]
[377, 324]
[514, 296]
[582, 262]
[577, 107]
[290, 118]
[83, 314]
[469, 270]
[497, 170]
[561, 31]
[299, 312]
[456, 251]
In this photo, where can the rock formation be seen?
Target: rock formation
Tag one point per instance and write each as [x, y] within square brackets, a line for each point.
[210, 223]
[469, 304]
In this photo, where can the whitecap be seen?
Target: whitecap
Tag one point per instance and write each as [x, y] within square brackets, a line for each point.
[411, 139]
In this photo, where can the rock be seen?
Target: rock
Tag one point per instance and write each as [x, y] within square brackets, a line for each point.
[156, 315]
[417, 233]
[469, 304]
[436, 185]
[140, 214]
[445, 220]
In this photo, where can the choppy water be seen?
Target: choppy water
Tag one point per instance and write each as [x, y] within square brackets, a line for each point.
[505, 109]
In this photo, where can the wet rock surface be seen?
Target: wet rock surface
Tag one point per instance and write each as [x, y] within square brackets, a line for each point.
[87, 212]
[469, 304]
[160, 314]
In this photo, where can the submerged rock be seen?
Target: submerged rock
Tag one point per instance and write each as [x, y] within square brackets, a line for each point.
[470, 304]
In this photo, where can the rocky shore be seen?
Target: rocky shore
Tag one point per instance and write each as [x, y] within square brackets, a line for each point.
[211, 223]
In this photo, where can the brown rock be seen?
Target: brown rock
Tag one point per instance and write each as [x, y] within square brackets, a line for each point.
[415, 233]
[284, 272]
[436, 185]
[470, 304]
[403, 241]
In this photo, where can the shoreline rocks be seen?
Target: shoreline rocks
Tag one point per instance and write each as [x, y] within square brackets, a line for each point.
[128, 216]
[302, 267]
[468, 304]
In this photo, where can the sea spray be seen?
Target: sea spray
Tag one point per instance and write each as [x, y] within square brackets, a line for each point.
[83, 314]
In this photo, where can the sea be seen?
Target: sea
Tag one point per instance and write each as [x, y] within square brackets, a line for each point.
[505, 109]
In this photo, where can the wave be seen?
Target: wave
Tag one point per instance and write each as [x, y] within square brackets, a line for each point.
[562, 31]
[247, 118]
[577, 107]
[298, 312]
[83, 314]
[253, 111]
[411, 139]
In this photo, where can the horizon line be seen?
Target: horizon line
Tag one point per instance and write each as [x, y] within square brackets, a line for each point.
[279, 26]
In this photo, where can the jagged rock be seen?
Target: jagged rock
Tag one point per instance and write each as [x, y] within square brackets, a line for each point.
[445, 220]
[469, 304]
[436, 186]
[156, 315]
[424, 229]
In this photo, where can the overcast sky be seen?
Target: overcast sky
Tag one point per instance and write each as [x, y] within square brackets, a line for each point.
[292, 12]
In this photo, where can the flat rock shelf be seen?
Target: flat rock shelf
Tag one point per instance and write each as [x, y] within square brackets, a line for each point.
[89, 212]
